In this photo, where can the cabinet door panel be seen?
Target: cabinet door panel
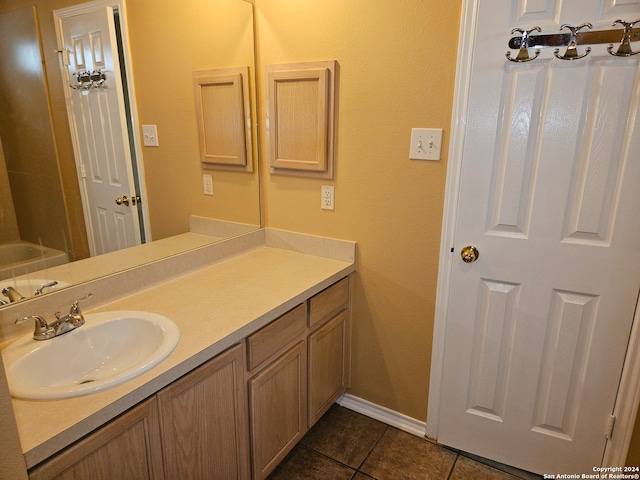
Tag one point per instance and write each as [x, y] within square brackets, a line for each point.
[327, 365]
[278, 400]
[128, 448]
[203, 418]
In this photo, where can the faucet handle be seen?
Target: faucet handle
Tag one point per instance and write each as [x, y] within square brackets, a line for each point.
[40, 289]
[74, 306]
[42, 330]
[75, 316]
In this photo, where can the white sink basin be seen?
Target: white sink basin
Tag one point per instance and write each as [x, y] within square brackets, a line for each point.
[109, 349]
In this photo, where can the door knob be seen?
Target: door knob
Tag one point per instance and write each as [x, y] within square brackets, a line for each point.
[125, 200]
[469, 254]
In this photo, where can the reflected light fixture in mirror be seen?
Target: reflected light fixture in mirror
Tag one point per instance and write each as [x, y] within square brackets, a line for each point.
[167, 41]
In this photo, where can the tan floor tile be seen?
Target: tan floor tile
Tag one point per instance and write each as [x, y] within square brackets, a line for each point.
[402, 456]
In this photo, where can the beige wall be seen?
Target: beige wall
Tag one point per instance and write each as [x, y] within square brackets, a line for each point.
[169, 41]
[397, 70]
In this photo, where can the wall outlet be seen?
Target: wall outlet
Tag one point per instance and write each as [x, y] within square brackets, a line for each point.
[207, 182]
[328, 197]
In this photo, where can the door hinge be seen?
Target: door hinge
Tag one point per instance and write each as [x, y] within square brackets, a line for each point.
[83, 173]
[64, 53]
[611, 424]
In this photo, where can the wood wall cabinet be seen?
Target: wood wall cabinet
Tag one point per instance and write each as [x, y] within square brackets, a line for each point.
[203, 418]
[224, 118]
[127, 448]
[300, 102]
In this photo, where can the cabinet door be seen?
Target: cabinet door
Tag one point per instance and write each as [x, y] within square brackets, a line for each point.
[328, 363]
[204, 421]
[128, 448]
[278, 409]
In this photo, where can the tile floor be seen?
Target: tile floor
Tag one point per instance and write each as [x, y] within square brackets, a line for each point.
[345, 445]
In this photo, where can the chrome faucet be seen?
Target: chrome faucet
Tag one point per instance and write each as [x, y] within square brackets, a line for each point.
[12, 294]
[62, 325]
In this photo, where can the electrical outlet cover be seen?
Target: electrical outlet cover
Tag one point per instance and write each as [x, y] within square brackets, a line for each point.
[207, 183]
[328, 197]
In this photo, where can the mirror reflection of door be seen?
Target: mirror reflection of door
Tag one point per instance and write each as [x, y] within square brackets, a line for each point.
[98, 113]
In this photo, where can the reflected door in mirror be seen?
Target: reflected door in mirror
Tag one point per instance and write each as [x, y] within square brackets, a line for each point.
[97, 117]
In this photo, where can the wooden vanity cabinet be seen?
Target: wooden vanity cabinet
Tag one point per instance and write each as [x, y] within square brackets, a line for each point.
[277, 369]
[328, 365]
[298, 365]
[127, 448]
[195, 428]
[227, 419]
[277, 409]
[329, 352]
[203, 418]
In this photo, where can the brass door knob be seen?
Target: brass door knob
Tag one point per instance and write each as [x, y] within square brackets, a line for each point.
[469, 254]
[122, 200]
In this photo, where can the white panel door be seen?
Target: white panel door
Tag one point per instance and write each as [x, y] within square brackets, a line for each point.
[101, 140]
[537, 327]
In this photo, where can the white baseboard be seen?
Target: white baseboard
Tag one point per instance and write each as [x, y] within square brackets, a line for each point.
[385, 415]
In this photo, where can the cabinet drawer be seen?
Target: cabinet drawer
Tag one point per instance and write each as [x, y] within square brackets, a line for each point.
[328, 301]
[275, 336]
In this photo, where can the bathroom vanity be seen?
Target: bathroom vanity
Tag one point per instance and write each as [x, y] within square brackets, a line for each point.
[264, 352]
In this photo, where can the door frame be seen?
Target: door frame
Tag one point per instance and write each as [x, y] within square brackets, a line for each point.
[628, 396]
[129, 86]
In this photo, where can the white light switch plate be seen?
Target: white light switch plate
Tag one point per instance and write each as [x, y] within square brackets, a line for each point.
[425, 143]
[150, 135]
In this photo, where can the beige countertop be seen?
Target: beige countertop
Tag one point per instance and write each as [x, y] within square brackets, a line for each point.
[215, 307]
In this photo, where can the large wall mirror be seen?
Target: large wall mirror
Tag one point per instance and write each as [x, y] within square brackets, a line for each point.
[41, 204]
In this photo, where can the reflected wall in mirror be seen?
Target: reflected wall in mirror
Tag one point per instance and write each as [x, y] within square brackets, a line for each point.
[167, 41]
